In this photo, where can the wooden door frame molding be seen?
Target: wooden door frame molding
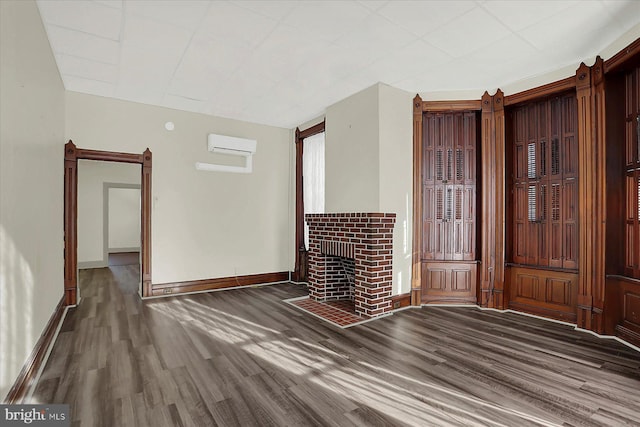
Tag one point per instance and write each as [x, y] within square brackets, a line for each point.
[299, 247]
[71, 156]
[491, 289]
[419, 108]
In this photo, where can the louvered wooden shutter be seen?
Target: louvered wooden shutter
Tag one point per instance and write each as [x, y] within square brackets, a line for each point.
[544, 183]
[632, 160]
[449, 192]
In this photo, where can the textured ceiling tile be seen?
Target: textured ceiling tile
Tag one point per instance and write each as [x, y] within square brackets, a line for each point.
[400, 64]
[458, 74]
[144, 75]
[328, 19]
[71, 42]
[227, 21]
[183, 13]
[144, 32]
[89, 17]
[291, 43]
[284, 62]
[92, 87]
[217, 57]
[86, 68]
[512, 13]
[193, 86]
[276, 9]
[374, 5]
[117, 4]
[423, 17]
[376, 36]
[569, 24]
[626, 13]
[329, 65]
[182, 103]
[481, 29]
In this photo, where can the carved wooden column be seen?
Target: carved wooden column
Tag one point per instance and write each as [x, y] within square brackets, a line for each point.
[491, 290]
[500, 201]
[146, 223]
[587, 251]
[600, 167]
[488, 255]
[70, 223]
[416, 282]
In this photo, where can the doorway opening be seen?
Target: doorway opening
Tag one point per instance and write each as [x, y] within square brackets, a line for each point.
[72, 155]
[122, 224]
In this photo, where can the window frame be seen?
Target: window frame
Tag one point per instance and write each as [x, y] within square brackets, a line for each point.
[299, 273]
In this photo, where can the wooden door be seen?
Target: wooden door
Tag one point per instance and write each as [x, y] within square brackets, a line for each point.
[449, 176]
[544, 182]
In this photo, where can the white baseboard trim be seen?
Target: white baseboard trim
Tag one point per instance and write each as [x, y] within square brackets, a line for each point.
[608, 337]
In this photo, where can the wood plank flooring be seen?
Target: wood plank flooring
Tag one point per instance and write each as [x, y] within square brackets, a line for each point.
[244, 358]
[124, 258]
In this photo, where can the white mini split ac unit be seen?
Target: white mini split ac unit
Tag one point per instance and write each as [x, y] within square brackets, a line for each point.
[224, 144]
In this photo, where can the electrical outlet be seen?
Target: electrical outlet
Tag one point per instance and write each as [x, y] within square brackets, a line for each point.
[396, 304]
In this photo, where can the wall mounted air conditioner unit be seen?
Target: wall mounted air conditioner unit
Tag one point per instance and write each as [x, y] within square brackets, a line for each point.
[224, 144]
[231, 145]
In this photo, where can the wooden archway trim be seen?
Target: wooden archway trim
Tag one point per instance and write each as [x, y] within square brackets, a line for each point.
[71, 156]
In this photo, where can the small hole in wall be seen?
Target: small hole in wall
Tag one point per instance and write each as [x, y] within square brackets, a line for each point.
[169, 126]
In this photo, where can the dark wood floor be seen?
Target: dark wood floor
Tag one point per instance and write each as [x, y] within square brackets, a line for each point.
[124, 258]
[243, 357]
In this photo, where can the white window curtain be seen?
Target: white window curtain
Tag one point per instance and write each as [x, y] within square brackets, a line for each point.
[313, 178]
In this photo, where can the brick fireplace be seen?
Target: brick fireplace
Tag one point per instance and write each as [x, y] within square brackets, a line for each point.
[350, 258]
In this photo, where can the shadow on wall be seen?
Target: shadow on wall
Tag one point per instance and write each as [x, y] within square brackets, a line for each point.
[16, 311]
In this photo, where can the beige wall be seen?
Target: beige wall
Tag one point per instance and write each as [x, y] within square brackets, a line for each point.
[31, 180]
[396, 176]
[352, 154]
[92, 175]
[124, 219]
[369, 152]
[204, 224]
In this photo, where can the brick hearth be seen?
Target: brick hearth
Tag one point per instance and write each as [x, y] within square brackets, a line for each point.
[350, 257]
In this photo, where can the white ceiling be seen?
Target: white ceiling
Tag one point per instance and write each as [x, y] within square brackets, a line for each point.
[283, 62]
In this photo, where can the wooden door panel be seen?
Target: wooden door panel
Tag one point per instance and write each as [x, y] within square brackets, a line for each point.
[543, 292]
[449, 282]
[449, 174]
[461, 280]
[558, 291]
[527, 287]
[436, 279]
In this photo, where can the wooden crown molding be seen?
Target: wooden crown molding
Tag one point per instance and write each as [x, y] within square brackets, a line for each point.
[559, 86]
[620, 59]
[463, 105]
